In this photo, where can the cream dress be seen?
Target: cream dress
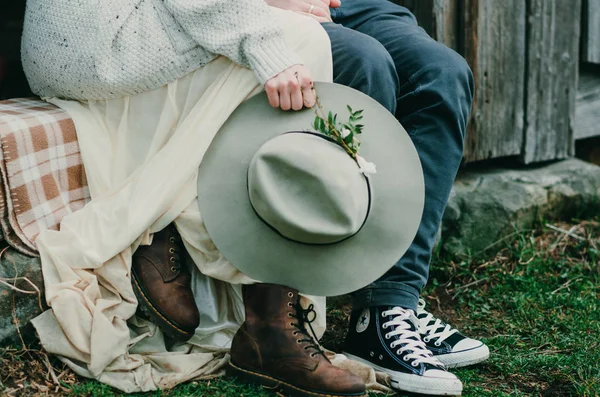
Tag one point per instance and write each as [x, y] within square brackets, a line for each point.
[141, 155]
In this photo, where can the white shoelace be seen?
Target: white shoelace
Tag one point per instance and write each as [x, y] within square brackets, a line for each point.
[410, 341]
[437, 329]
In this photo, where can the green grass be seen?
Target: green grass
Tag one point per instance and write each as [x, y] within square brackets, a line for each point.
[220, 387]
[538, 308]
[217, 388]
[536, 303]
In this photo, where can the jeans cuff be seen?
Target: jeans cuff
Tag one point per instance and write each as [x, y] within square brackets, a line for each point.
[386, 293]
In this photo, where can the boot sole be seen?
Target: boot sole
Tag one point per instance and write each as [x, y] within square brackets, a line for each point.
[278, 385]
[148, 310]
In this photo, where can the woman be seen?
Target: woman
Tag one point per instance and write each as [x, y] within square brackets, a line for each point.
[148, 83]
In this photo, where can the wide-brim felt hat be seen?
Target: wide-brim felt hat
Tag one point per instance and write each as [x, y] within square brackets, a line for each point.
[287, 205]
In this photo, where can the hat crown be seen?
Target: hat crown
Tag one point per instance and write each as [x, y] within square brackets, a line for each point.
[308, 189]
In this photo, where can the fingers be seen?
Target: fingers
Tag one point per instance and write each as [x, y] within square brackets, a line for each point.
[297, 102]
[307, 90]
[320, 8]
[285, 102]
[320, 19]
[291, 89]
[272, 90]
[315, 7]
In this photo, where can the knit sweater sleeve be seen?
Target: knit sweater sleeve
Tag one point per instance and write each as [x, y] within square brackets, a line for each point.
[242, 30]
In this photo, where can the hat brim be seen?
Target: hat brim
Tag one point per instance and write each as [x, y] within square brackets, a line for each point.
[324, 270]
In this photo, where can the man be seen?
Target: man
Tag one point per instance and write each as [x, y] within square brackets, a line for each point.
[379, 49]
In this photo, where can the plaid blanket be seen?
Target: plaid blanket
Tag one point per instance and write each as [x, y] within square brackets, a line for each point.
[41, 171]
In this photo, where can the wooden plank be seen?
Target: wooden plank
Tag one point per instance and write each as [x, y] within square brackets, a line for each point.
[587, 108]
[494, 46]
[446, 22]
[591, 31]
[552, 69]
[438, 17]
[423, 10]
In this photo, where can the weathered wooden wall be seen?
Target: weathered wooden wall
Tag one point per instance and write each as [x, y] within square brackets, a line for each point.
[491, 36]
[591, 31]
[553, 30]
[587, 111]
[440, 18]
[494, 45]
[525, 58]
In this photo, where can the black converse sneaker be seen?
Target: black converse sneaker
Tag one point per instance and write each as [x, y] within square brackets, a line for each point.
[387, 339]
[448, 345]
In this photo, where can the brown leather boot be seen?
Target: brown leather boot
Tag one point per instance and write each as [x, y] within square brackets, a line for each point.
[273, 348]
[162, 284]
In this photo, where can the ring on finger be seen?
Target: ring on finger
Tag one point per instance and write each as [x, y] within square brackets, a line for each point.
[298, 80]
[312, 7]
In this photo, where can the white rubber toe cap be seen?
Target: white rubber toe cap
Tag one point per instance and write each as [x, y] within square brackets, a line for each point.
[439, 374]
[466, 344]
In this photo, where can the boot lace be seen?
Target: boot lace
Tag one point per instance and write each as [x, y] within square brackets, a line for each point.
[433, 327]
[307, 317]
[408, 340]
[175, 249]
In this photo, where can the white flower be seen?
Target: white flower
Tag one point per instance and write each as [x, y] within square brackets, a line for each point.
[345, 132]
[365, 167]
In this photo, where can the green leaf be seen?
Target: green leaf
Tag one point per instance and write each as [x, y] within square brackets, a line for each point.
[323, 127]
[316, 123]
[329, 126]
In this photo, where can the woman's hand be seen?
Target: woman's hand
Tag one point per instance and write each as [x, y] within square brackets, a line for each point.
[318, 9]
[291, 89]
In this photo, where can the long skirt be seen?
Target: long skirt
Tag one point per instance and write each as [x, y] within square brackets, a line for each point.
[141, 155]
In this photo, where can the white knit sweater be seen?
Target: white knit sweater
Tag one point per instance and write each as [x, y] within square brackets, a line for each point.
[102, 49]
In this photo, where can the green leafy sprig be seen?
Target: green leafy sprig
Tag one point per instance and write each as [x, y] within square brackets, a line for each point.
[344, 134]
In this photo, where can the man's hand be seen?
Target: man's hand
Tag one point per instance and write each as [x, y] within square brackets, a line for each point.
[317, 9]
[291, 89]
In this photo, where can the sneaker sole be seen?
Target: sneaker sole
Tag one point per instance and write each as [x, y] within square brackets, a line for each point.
[275, 384]
[416, 383]
[465, 358]
[148, 310]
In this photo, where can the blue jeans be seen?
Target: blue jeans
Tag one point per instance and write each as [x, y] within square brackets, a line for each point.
[379, 49]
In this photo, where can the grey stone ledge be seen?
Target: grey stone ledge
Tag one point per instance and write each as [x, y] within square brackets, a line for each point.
[487, 205]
